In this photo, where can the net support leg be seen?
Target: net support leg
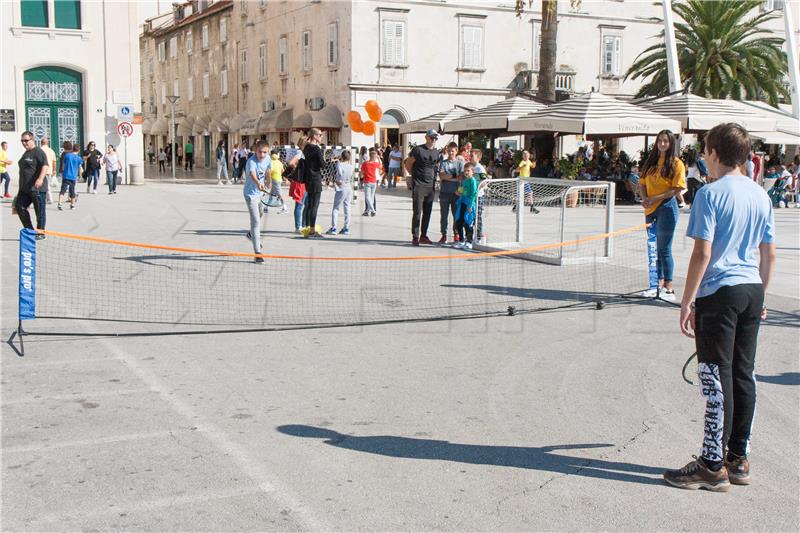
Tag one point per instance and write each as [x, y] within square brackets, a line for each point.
[20, 332]
[611, 195]
[520, 206]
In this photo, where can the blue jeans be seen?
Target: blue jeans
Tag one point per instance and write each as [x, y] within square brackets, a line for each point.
[111, 178]
[299, 219]
[92, 175]
[369, 198]
[6, 179]
[665, 219]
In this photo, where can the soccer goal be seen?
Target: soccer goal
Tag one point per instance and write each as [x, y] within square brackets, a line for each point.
[546, 215]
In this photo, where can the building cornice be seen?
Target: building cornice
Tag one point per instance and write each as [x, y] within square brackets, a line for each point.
[426, 89]
[52, 33]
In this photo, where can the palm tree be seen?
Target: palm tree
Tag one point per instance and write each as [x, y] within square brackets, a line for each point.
[723, 52]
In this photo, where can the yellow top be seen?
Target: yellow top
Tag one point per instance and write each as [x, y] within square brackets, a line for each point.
[3, 159]
[656, 184]
[51, 158]
[276, 170]
[524, 168]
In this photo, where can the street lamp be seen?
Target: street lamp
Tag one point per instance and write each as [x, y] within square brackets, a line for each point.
[172, 100]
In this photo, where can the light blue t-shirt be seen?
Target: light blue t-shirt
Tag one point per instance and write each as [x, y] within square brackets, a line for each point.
[735, 215]
[261, 168]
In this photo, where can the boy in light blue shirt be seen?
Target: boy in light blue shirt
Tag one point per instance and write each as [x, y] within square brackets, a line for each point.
[256, 182]
[732, 225]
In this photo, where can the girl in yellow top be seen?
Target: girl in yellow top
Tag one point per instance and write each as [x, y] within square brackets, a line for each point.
[663, 178]
[276, 176]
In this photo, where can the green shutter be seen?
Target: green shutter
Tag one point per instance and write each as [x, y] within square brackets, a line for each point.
[34, 13]
[68, 14]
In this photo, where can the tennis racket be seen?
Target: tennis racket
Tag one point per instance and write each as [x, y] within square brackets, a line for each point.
[270, 200]
[690, 369]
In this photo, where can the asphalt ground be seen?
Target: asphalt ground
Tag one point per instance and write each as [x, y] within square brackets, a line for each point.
[548, 421]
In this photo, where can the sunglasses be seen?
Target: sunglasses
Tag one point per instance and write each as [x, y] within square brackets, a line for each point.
[26, 140]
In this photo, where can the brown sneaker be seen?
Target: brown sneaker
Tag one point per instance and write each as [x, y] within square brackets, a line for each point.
[696, 475]
[425, 240]
[738, 471]
[443, 240]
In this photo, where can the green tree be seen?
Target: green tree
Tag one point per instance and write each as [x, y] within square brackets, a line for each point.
[723, 52]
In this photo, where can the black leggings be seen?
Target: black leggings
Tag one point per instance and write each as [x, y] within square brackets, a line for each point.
[24, 200]
[314, 196]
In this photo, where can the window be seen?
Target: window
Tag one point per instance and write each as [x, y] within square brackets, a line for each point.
[162, 51]
[262, 62]
[189, 41]
[471, 46]
[173, 48]
[536, 45]
[333, 43]
[243, 6]
[150, 66]
[262, 4]
[612, 45]
[283, 66]
[306, 40]
[204, 36]
[223, 82]
[190, 89]
[770, 5]
[176, 87]
[393, 43]
[205, 84]
[223, 30]
[67, 13]
[243, 66]
[34, 13]
[163, 93]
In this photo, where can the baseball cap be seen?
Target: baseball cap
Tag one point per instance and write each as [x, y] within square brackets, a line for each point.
[432, 133]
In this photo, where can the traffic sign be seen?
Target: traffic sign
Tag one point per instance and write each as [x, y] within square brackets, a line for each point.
[125, 129]
[125, 112]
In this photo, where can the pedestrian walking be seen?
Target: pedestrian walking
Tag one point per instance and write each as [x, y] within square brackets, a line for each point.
[162, 161]
[663, 178]
[421, 164]
[221, 156]
[33, 169]
[733, 227]
[5, 162]
[343, 194]
[395, 162]
[44, 144]
[91, 167]
[112, 164]
[70, 170]
[188, 155]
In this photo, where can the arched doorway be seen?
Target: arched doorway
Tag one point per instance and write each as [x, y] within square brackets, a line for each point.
[54, 104]
[389, 127]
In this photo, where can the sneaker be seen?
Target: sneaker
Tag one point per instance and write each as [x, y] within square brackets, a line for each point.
[649, 293]
[682, 206]
[456, 238]
[42, 236]
[738, 470]
[259, 259]
[425, 240]
[696, 475]
[345, 231]
[365, 214]
[443, 240]
[60, 208]
[94, 191]
[7, 195]
[249, 236]
[298, 230]
[372, 214]
[331, 231]
[468, 245]
[72, 206]
[414, 241]
[284, 210]
[667, 295]
[315, 235]
[458, 245]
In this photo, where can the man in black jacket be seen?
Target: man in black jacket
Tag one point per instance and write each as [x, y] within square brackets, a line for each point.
[314, 162]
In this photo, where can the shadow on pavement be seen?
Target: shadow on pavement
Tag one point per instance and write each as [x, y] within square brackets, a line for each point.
[541, 458]
[786, 378]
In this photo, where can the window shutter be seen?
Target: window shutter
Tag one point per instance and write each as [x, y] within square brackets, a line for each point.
[190, 89]
[617, 54]
[176, 88]
[399, 49]
[388, 42]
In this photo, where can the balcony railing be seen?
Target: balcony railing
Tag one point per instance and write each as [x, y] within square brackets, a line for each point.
[565, 80]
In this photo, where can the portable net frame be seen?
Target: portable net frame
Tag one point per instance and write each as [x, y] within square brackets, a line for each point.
[525, 213]
[151, 284]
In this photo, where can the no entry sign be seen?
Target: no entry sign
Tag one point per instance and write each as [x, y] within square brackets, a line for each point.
[125, 129]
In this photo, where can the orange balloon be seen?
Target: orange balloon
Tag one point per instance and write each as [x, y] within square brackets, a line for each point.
[368, 128]
[357, 127]
[370, 104]
[375, 113]
[353, 117]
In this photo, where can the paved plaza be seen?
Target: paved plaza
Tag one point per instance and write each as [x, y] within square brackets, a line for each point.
[556, 420]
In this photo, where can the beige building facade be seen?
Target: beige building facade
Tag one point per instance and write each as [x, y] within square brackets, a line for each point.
[247, 69]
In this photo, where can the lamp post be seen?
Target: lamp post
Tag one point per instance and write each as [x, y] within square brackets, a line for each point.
[172, 100]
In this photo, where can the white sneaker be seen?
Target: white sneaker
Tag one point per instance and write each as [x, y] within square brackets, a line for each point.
[468, 245]
[667, 296]
[94, 191]
[459, 244]
[649, 293]
[284, 210]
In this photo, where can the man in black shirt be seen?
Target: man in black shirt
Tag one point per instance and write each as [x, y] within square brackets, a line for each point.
[314, 163]
[92, 157]
[33, 167]
[421, 164]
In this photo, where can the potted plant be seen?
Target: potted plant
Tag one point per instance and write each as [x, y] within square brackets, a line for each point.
[568, 168]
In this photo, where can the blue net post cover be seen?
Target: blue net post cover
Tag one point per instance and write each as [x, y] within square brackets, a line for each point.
[27, 274]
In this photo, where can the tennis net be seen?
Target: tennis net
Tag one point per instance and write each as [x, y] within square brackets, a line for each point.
[146, 283]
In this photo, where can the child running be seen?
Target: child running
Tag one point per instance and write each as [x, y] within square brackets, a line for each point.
[465, 207]
[344, 192]
[276, 173]
[70, 171]
[524, 171]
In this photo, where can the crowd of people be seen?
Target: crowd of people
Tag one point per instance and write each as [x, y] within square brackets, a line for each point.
[41, 172]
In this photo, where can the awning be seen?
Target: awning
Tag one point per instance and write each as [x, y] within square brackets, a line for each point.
[235, 124]
[147, 124]
[276, 120]
[329, 117]
[159, 127]
[594, 114]
[183, 126]
[220, 123]
[776, 137]
[435, 121]
[201, 125]
[249, 126]
[698, 114]
[783, 121]
[494, 117]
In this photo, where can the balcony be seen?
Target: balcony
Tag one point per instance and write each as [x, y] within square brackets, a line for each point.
[565, 80]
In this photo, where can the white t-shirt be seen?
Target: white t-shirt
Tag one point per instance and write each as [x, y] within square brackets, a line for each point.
[111, 161]
[395, 163]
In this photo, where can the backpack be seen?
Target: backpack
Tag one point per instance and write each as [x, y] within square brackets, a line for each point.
[296, 173]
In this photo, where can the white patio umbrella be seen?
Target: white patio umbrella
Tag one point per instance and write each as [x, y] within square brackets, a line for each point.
[594, 114]
[698, 114]
[435, 121]
[494, 117]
